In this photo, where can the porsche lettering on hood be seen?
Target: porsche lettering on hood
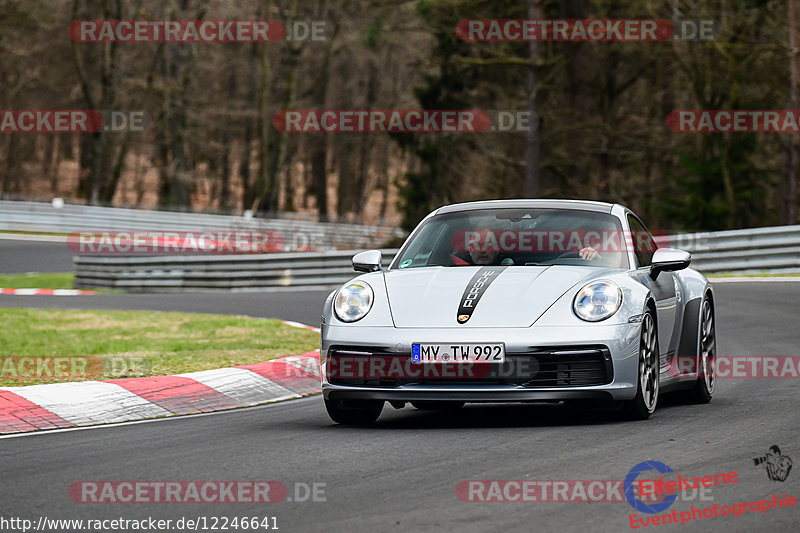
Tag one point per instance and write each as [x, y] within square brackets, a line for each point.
[511, 297]
[475, 289]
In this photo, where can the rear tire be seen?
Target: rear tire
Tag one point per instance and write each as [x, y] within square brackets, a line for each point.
[426, 405]
[354, 412]
[707, 343]
[647, 385]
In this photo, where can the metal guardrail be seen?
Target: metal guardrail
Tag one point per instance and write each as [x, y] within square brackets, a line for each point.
[297, 234]
[744, 251]
[222, 272]
[747, 251]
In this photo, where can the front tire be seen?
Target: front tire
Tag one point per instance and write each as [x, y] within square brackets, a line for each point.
[647, 387]
[354, 412]
[707, 377]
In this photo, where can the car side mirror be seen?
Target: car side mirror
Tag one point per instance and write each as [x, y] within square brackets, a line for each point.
[668, 260]
[369, 261]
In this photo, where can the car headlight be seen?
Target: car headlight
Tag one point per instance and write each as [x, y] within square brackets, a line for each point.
[353, 301]
[597, 301]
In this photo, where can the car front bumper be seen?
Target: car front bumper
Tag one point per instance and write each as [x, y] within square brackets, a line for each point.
[550, 350]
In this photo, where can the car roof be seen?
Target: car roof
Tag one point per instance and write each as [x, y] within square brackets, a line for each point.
[583, 205]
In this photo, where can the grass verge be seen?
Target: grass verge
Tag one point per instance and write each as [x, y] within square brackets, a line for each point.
[116, 344]
[35, 280]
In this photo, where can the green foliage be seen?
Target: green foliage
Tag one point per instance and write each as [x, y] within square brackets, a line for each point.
[603, 108]
[60, 280]
[373, 31]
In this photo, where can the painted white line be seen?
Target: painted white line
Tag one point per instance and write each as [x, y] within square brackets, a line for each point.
[46, 292]
[744, 279]
[300, 325]
[90, 402]
[170, 418]
[26, 292]
[32, 237]
[244, 386]
[293, 288]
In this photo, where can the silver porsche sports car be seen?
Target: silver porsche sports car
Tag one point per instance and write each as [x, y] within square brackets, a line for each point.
[519, 300]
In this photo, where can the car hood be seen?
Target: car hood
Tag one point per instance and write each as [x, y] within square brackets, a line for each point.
[516, 296]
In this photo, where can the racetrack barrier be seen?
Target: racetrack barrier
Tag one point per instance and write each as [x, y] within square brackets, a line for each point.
[188, 273]
[747, 251]
[741, 251]
[296, 234]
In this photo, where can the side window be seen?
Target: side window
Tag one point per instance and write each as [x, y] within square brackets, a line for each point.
[423, 250]
[643, 244]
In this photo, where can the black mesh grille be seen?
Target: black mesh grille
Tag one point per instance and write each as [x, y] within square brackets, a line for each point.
[570, 366]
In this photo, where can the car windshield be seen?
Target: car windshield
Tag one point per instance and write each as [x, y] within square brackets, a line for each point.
[514, 236]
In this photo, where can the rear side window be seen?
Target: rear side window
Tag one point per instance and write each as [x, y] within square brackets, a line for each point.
[643, 244]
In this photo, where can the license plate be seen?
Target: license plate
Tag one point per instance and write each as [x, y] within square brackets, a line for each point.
[458, 353]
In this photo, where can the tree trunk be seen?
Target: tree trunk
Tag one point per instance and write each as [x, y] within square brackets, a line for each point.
[54, 162]
[532, 167]
[363, 187]
[275, 156]
[10, 179]
[99, 145]
[244, 165]
[319, 141]
[263, 127]
[790, 177]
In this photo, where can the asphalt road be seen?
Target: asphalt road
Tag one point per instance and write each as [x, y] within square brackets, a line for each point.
[302, 306]
[21, 256]
[401, 474]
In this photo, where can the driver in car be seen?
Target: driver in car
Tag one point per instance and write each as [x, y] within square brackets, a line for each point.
[476, 257]
[487, 255]
[483, 257]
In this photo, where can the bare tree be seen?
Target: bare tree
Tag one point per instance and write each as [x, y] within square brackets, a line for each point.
[532, 171]
[790, 198]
